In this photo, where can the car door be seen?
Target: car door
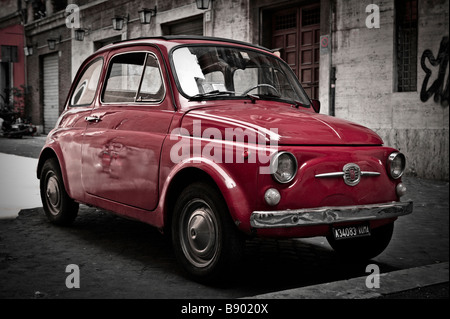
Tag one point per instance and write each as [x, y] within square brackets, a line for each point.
[125, 132]
[72, 125]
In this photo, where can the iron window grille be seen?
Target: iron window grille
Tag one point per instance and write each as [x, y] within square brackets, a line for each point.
[406, 45]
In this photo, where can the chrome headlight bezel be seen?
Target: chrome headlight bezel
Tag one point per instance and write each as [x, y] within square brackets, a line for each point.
[279, 176]
[394, 160]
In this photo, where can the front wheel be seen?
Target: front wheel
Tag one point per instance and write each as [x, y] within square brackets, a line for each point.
[364, 248]
[206, 242]
[58, 206]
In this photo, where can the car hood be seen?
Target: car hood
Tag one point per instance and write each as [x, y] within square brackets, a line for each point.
[265, 122]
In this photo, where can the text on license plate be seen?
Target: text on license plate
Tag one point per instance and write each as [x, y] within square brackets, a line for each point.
[343, 232]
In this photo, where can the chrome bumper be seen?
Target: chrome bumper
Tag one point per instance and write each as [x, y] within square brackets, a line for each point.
[328, 215]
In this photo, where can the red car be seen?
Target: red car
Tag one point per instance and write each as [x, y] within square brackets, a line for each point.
[214, 141]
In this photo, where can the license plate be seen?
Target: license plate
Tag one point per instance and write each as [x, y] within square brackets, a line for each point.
[354, 231]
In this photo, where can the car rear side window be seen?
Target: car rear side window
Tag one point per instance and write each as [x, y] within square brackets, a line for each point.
[152, 87]
[87, 84]
[133, 77]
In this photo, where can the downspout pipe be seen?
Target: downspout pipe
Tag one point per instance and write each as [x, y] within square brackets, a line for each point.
[332, 75]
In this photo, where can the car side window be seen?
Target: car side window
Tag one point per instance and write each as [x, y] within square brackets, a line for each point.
[133, 77]
[152, 87]
[123, 78]
[84, 92]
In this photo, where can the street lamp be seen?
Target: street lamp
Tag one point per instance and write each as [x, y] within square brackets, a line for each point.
[145, 15]
[28, 50]
[118, 22]
[79, 34]
[51, 44]
[202, 4]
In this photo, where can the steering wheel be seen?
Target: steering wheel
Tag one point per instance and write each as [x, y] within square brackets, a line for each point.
[261, 85]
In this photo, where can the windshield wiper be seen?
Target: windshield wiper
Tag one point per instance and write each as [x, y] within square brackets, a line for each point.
[252, 97]
[298, 104]
[273, 97]
[270, 97]
[214, 93]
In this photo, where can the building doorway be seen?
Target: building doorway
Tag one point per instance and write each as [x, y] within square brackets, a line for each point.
[296, 33]
[6, 84]
[50, 86]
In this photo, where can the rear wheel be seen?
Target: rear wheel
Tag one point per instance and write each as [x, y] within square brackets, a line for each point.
[364, 248]
[58, 206]
[206, 242]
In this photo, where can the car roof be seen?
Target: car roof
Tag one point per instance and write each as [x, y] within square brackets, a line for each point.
[173, 40]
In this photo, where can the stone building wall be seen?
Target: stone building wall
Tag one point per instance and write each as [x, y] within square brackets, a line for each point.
[364, 59]
[366, 83]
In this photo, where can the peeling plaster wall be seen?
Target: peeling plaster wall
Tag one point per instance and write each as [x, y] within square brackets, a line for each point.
[231, 19]
[366, 91]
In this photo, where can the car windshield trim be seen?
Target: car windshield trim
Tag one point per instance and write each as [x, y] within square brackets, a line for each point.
[189, 73]
[215, 93]
[225, 95]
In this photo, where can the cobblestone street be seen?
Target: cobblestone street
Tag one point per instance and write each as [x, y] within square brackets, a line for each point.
[121, 258]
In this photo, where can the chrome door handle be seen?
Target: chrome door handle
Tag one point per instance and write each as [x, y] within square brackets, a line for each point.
[94, 119]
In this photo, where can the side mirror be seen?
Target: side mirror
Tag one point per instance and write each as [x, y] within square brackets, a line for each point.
[315, 105]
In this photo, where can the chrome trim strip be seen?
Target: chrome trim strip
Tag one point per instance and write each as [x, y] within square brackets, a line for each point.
[335, 174]
[338, 174]
[370, 173]
[328, 215]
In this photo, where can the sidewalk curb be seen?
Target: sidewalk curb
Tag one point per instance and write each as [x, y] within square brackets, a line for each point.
[355, 288]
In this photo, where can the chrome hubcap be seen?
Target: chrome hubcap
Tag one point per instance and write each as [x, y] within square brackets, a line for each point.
[199, 237]
[53, 194]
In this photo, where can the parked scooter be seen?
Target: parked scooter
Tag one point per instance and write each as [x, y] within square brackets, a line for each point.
[14, 127]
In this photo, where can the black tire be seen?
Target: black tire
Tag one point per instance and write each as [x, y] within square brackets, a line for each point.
[59, 208]
[364, 248]
[206, 242]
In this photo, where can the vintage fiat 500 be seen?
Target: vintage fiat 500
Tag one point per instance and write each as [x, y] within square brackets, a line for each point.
[213, 141]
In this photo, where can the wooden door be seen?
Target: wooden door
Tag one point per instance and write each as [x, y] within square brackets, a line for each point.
[296, 32]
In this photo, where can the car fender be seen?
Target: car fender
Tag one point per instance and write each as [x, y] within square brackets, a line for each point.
[53, 150]
[233, 194]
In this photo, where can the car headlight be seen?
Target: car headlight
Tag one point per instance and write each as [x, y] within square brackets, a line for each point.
[283, 167]
[396, 164]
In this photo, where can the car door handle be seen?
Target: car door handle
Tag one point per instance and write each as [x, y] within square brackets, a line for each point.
[92, 119]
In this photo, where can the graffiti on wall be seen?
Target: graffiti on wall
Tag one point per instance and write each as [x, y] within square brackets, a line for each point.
[439, 88]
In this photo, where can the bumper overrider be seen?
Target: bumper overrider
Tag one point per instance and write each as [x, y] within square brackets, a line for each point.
[328, 215]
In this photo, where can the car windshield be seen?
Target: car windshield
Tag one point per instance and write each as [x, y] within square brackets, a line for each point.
[207, 72]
